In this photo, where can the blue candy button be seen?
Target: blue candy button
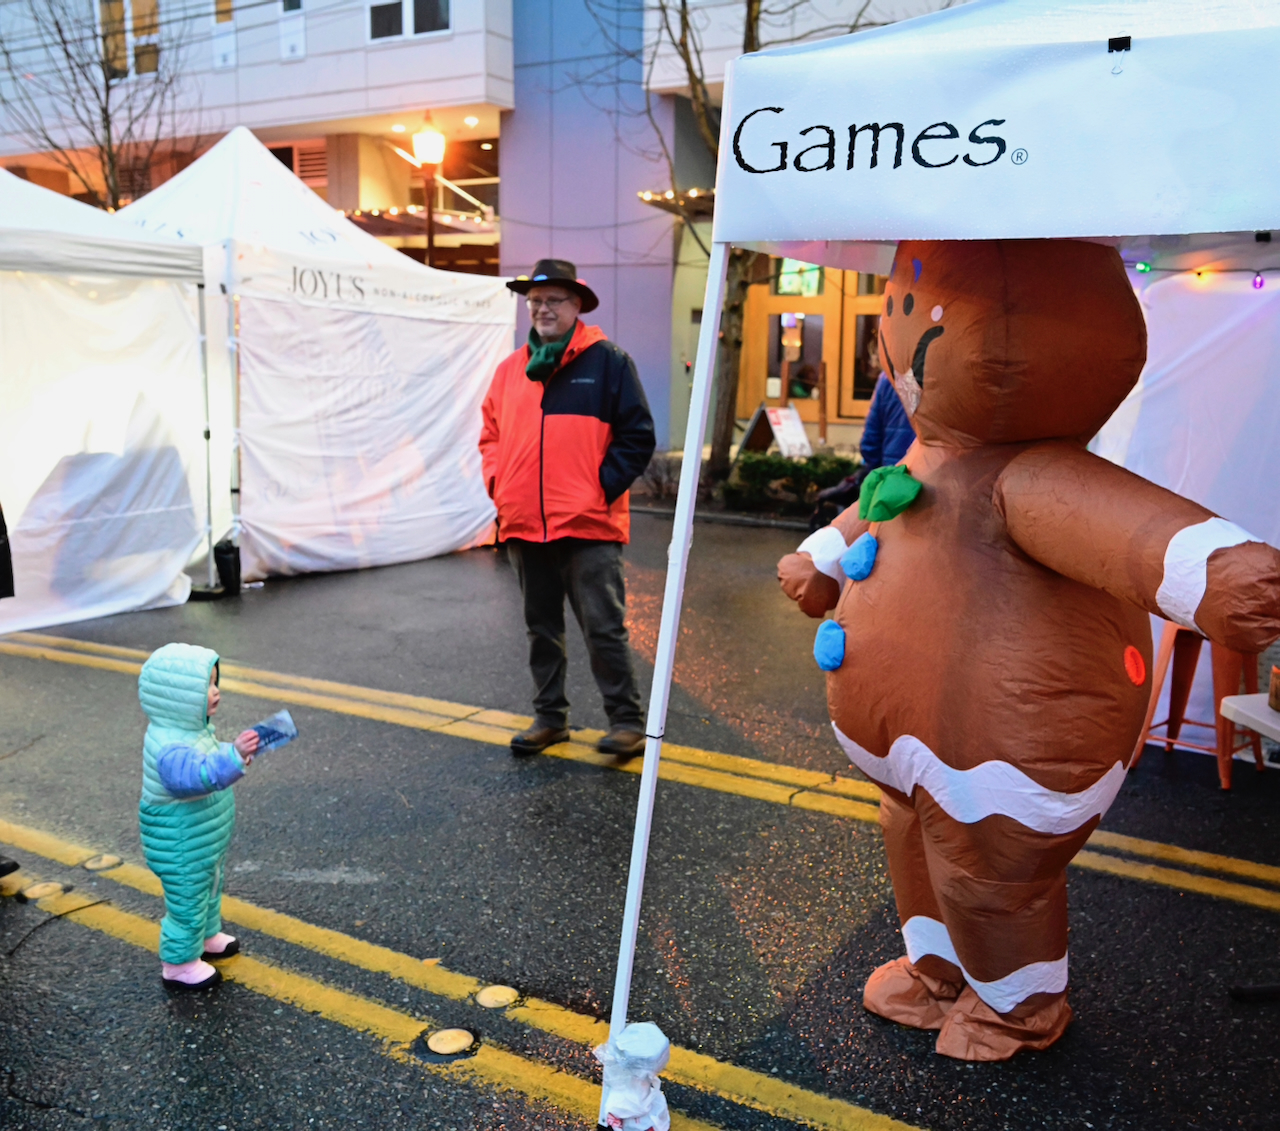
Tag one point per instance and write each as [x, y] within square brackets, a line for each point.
[828, 646]
[859, 559]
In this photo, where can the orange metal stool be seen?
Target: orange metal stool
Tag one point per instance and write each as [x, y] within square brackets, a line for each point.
[1182, 647]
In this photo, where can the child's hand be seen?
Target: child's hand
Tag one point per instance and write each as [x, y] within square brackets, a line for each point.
[247, 744]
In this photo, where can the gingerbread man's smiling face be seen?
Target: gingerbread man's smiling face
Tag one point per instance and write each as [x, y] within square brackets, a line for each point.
[1002, 341]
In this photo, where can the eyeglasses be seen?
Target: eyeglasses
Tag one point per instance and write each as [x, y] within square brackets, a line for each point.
[549, 303]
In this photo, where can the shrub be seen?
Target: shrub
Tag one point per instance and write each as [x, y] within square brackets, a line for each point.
[772, 482]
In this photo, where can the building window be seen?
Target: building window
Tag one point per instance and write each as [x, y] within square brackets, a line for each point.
[293, 5]
[387, 21]
[430, 15]
[146, 37]
[115, 47]
[791, 277]
[130, 29]
[223, 11]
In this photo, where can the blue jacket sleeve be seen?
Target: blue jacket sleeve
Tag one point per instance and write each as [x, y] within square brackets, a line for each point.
[185, 772]
[872, 444]
[633, 440]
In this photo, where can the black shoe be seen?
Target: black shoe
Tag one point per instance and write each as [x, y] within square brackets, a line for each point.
[622, 742]
[7, 866]
[233, 947]
[537, 738]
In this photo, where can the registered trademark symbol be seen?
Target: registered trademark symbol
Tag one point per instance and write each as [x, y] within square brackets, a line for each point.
[1018, 157]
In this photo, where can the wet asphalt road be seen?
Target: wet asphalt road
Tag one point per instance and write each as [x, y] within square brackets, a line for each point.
[761, 922]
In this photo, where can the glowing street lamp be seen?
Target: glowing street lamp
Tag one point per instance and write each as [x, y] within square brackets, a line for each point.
[428, 146]
[428, 155]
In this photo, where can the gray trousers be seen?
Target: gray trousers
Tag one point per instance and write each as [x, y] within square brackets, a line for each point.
[589, 574]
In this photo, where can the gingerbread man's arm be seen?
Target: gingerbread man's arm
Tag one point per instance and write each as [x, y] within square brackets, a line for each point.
[1098, 524]
[812, 576]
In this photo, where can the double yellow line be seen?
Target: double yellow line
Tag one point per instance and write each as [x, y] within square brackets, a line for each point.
[833, 794]
[490, 1065]
[725, 773]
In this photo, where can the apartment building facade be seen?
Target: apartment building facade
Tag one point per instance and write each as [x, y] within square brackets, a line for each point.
[551, 111]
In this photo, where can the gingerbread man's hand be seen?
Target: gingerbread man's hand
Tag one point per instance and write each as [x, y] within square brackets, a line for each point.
[811, 589]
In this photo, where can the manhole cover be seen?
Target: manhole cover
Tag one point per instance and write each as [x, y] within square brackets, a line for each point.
[102, 862]
[42, 890]
[450, 1042]
[496, 997]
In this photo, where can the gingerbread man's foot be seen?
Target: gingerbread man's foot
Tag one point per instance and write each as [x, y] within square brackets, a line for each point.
[902, 992]
[974, 1031]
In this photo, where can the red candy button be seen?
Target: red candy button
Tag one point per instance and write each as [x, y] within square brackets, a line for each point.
[1134, 667]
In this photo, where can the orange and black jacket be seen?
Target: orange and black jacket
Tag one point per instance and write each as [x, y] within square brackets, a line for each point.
[560, 455]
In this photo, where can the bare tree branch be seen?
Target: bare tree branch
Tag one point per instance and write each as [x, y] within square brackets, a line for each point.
[94, 91]
[677, 29]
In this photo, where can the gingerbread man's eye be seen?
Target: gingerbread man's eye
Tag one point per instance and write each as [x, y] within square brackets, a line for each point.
[908, 304]
[888, 306]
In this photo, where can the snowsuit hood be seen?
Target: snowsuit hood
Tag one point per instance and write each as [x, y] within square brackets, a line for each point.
[173, 686]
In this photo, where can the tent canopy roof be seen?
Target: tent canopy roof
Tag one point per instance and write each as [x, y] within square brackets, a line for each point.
[284, 242]
[41, 230]
[240, 191]
[1147, 123]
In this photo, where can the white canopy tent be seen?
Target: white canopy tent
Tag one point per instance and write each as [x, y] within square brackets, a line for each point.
[102, 452]
[1144, 123]
[352, 375]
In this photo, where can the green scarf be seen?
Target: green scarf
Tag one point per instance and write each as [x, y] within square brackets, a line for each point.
[544, 357]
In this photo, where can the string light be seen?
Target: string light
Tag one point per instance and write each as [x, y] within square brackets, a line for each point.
[1258, 281]
[1142, 268]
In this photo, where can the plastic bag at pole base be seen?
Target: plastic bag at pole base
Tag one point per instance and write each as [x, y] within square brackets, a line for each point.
[633, 1099]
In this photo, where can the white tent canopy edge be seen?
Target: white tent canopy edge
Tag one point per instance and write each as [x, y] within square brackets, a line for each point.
[1187, 190]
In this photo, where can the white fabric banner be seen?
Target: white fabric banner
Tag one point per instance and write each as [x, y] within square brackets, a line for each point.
[359, 436]
[101, 444]
[1008, 119]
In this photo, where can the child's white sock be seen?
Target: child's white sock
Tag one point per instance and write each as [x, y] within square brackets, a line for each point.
[194, 973]
[219, 943]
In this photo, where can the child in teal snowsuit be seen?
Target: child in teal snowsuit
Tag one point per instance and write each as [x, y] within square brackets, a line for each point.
[188, 812]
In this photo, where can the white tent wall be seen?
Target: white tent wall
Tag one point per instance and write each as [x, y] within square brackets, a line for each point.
[354, 382]
[1204, 416]
[102, 452]
[359, 436]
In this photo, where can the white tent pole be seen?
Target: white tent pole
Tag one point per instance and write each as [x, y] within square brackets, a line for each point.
[233, 363]
[208, 456]
[677, 562]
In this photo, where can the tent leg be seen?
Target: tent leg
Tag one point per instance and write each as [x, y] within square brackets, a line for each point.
[677, 563]
[208, 457]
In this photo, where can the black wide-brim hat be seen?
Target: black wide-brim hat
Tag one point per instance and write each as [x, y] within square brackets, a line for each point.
[559, 273]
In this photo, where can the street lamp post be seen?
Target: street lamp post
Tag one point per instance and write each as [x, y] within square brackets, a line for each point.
[428, 152]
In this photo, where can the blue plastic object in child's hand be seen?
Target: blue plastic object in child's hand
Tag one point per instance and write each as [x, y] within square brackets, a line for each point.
[828, 646]
[277, 731]
[859, 559]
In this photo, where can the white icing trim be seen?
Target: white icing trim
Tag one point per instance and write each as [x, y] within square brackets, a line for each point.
[1186, 567]
[991, 788]
[825, 547]
[927, 936]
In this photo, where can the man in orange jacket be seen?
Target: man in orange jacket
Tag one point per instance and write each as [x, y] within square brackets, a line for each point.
[566, 431]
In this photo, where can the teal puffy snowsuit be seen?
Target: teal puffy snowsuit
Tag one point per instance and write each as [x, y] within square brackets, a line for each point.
[185, 839]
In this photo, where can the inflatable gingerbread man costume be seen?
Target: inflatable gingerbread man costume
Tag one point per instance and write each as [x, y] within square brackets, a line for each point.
[990, 652]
